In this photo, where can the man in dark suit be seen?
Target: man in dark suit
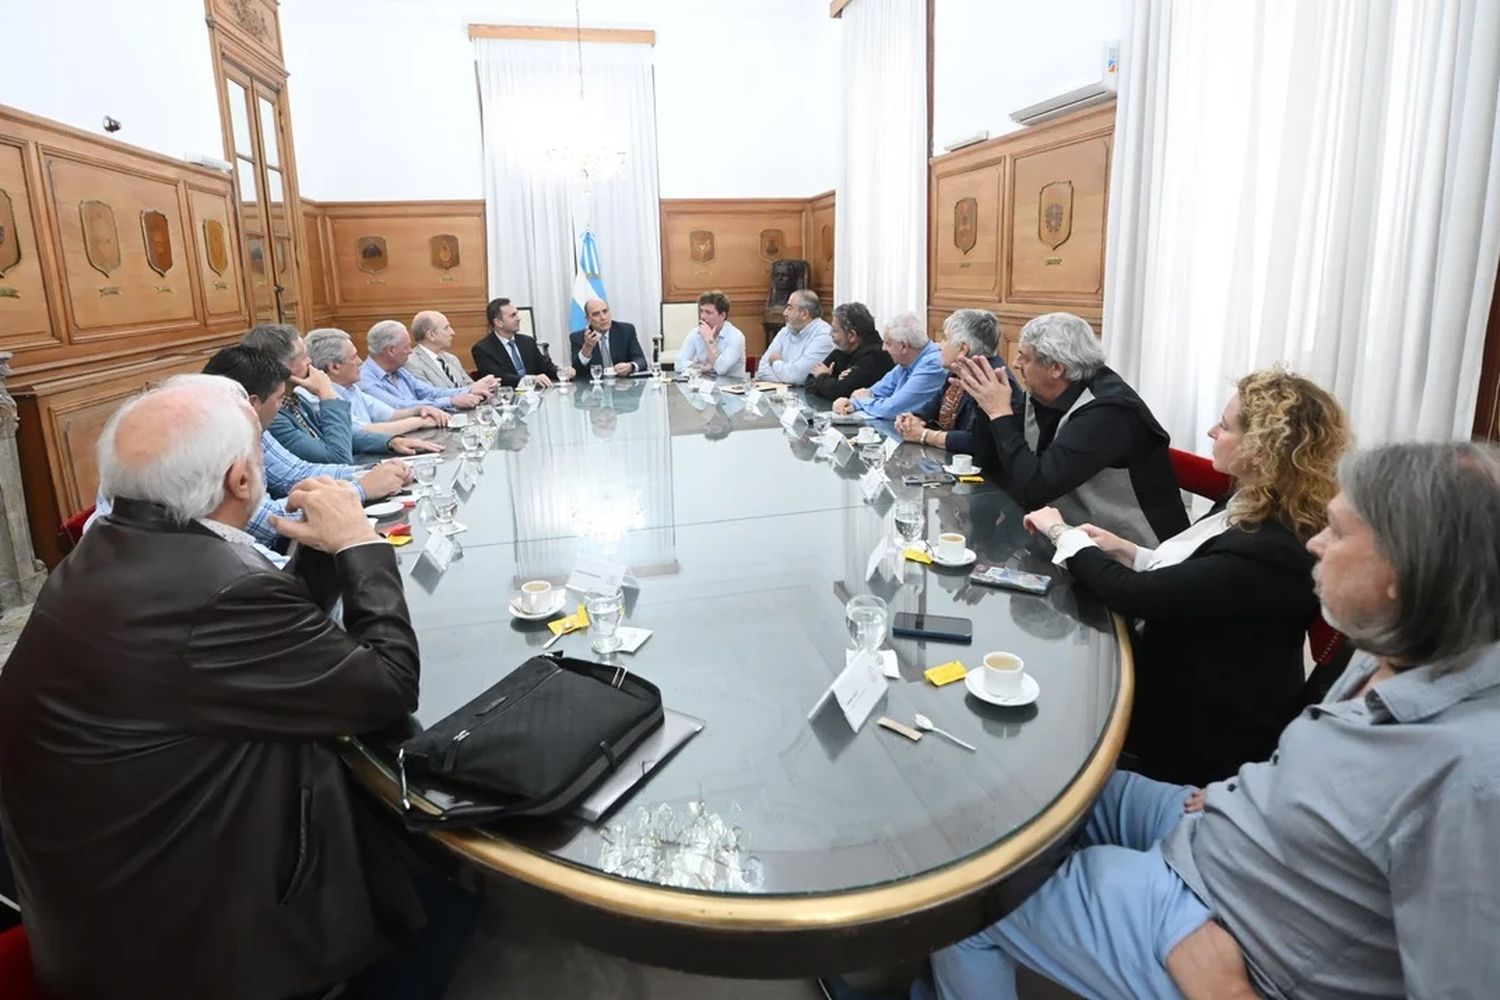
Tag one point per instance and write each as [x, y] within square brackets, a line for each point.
[606, 343]
[174, 806]
[508, 355]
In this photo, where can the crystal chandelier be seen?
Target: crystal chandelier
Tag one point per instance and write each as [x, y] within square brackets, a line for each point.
[582, 143]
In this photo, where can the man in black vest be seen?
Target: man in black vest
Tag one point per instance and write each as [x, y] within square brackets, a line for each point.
[506, 353]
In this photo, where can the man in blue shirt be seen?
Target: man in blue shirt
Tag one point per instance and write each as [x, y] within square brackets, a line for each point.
[804, 342]
[918, 374]
[715, 344]
[384, 377]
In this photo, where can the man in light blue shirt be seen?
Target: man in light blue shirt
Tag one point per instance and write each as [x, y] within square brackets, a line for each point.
[804, 342]
[383, 376]
[333, 352]
[716, 345]
[918, 374]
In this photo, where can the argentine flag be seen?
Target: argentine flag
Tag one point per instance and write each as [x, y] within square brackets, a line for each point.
[587, 284]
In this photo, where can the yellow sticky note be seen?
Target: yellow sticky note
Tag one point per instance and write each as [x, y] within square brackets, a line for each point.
[572, 623]
[946, 673]
[917, 555]
[971, 479]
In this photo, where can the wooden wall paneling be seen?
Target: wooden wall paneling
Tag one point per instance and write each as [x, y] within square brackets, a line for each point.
[317, 284]
[820, 244]
[60, 423]
[727, 253]
[406, 269]
[215, 233]
[968, 214]
[255, 24]
[25, 313]
[1059, 196]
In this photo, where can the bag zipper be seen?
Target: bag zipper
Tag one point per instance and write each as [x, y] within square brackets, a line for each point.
[489, 714]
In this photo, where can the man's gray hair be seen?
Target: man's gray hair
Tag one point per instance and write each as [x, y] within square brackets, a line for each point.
[906, 328]
[807, 299]
[421, 325]
[976, 329]
[383, 335]
[325, 346]
[1433, 509]
[1063, 339]
[279, 340]
[186, 476]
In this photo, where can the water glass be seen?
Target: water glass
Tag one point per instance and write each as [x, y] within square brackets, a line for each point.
[445, 506]
[605, 611]
[527, 383]
[909, 515]
[865, 617]
[507, 397]
[473, 440]
[564, 376]
[872, 454]
[655, 370]
[596, 373]
[426, 473]
[609, 373]
[821, 422]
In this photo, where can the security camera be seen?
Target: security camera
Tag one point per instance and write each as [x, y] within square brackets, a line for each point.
[110, 124]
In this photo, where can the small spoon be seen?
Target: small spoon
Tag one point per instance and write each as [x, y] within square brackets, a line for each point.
[924, 723]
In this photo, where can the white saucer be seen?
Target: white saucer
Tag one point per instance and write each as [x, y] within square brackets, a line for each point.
[386, 508]
[1029, 690]
[974, 471]
[863, 442]
[536, 616]
[968, 557]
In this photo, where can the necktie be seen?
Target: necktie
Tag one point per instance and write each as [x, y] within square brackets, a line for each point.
[515, 356]
[604, 349]
[293, 406]
[448, 370]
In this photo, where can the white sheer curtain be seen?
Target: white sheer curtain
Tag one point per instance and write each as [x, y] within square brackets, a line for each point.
[533, 216]
[881, 243]
[1314, 183]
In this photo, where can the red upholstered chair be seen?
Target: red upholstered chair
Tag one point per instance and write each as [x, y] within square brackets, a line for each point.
[1197, 475]
[17, 978]
[72, 529]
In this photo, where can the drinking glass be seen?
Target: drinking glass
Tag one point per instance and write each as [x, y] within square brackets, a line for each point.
[426, 473]
[609, 373]
[473, 440]
[564, 376]
[821, 422]
[506, 396]
[865, 617]
[527, 383]
[908, 515]
[656, 370]
[605, 611]
[596, 372]
[445, 506]
[872, 454]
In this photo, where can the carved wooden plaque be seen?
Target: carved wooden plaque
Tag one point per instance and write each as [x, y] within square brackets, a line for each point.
[1055, 214]
[216, 244]
[372, 255]
[701, 245]
[10, 240]
[965, 223]
[443, 249]
[101, 240]
[771, 243]
[158, 234]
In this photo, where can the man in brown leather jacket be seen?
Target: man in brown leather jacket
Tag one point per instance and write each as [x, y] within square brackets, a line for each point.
[177, 816]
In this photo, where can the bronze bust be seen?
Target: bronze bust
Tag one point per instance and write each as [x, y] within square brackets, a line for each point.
[787, 276]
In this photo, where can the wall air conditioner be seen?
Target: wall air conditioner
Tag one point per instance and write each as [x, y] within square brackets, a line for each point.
[1055, 107]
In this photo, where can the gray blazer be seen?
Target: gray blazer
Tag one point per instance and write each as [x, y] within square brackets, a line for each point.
[429, 371]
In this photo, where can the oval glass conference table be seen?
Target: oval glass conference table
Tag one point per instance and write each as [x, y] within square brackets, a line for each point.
[771, 844]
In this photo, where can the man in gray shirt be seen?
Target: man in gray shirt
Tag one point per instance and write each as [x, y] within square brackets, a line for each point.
[1359, 860]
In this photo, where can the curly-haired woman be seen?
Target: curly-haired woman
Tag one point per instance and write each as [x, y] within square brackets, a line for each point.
[1220, 610]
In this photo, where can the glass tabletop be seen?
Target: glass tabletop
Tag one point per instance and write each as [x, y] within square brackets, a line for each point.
[747, 540]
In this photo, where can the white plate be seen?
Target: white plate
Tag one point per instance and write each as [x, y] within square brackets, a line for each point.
[560, 598]
[386, 508]
[952, 470]
[1029, 690]
[964, 560]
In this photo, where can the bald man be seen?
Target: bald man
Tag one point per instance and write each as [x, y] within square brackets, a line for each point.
[606, 343]
[152, 731]
[431, 361]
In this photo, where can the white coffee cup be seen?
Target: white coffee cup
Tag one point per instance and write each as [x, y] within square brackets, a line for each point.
[963, 464]
[536, 595]
[950, 546]
[1003, 674]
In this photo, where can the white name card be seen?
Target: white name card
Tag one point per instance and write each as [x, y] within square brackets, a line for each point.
[793, 420]
[468, 476]
[458, 421]
[754, 396]
[873, 484]
[856, 689]
[440, 550]
[891, 445]
[703, 385]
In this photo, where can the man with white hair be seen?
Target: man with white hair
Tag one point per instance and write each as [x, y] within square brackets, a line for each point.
[169, 775]
[800, 345]
[1358, 860]
[949, 418]
[430, 359]
[917, 375]
[384, 376]
[1081, 439]
[331, 351]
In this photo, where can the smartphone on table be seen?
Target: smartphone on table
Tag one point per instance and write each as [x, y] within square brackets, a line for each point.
[991, 575]
[924, 626]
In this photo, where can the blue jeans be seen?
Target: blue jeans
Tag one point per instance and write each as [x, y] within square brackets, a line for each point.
[1103, 924]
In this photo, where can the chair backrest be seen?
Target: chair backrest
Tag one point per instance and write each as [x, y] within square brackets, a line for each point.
[677, 320]
[1197, 475]
[71, 530]
[17, 975]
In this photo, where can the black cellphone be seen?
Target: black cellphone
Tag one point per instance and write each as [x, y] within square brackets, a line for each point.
[932, 627]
